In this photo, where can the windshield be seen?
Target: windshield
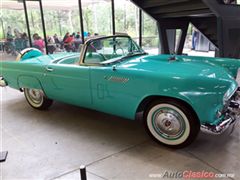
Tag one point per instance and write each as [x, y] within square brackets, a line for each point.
[111, 49]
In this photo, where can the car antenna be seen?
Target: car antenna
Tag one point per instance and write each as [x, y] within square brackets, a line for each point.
[172, 57]
[114, 68]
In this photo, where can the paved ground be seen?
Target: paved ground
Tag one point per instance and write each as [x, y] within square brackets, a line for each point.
[53, 144]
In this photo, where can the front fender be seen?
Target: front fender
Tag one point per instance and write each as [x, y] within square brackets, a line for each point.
[205, 96]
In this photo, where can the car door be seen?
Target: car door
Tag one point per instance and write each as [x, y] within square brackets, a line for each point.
[113, 91]
[68, 83]
[111, 88]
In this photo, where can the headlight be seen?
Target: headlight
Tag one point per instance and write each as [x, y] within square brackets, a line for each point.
[238, 76]
[218, 114]
[227, 96]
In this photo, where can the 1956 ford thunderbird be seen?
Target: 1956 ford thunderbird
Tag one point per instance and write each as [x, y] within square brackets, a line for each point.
[178, 95]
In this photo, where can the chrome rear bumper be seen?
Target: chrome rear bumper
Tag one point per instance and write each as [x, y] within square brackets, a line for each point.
[3, 83]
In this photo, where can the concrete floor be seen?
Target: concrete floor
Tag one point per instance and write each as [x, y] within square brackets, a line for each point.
[53, 144]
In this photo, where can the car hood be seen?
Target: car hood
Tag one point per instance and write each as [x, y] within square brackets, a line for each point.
[231, 65]
[185, 75]
[179, 66]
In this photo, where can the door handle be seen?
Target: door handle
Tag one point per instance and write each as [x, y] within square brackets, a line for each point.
[49, 69]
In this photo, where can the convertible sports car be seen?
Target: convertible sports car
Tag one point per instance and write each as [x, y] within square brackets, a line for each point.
[178, 95]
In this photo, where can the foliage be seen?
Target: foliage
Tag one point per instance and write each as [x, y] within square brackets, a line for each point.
[97, 19]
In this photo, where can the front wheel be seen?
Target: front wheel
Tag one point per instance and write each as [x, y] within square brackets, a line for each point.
[171, 123]
[37, 99]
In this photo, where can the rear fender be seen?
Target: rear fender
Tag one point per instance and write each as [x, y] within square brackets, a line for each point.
[29, 82]
[28, 54]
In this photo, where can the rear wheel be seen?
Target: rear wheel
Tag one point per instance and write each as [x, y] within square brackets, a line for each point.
[171, 123]
[37, 99]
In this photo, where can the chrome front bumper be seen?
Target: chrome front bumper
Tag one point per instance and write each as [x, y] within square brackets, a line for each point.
[219, 128]
[232, 116]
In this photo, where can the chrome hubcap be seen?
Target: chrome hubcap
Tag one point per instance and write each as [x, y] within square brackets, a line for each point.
[35, 96]
[168, 123]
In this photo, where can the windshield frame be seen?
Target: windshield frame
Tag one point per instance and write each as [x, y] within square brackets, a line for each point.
[110, 61]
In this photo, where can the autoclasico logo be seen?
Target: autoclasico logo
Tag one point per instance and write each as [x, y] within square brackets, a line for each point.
[188, 174]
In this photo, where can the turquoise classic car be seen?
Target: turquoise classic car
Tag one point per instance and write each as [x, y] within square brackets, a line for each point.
[176, 95]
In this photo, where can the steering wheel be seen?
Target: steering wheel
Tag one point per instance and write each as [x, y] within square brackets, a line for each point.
[114, 54]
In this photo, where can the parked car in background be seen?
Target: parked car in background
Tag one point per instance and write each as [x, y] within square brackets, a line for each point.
[177, 95]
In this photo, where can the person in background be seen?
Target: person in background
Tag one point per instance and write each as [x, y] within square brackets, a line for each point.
[51, 44]
[195, 35]
[24, 38]
[17, 34]
[56, 39]
[9, 34]
[85, 33]
[77, 42]
[98, 44]
[57, 42]
[66, 36]
[68, 43]
[38, 42]
[18, 40]
[64, 39]
[9, 45]
[74, 35]
[88, 36]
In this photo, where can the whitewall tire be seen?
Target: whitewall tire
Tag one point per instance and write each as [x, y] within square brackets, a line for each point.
[171, 123]
[37, 99]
